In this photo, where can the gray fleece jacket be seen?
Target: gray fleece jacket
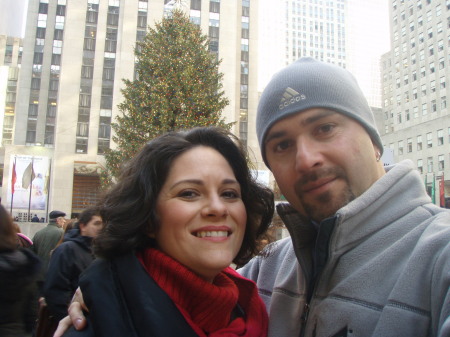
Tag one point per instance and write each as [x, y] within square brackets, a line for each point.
[379, 267]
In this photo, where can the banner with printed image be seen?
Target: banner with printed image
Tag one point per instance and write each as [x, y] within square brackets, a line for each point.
[28, 187]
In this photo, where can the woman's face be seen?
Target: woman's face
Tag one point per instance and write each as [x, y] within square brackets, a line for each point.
[202, 216]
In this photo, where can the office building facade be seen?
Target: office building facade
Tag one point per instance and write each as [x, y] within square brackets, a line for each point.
[75, 55]
[416, 90]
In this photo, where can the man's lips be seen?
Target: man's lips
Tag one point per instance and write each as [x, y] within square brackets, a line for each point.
[315, 186]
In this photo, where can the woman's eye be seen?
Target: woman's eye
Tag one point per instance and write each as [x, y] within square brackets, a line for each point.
[231, 195]
[187, 194]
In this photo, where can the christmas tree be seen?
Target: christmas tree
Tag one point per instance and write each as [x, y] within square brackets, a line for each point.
[177, 86]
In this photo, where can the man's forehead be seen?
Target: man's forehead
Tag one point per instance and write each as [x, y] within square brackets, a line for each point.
[305, 117]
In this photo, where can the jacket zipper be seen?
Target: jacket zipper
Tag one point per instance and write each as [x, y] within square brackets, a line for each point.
[311, 290]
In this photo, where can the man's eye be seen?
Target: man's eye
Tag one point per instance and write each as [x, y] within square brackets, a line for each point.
[282, 145]
[326, 128]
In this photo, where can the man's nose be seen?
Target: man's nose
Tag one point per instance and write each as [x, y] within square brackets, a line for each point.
[308, 155]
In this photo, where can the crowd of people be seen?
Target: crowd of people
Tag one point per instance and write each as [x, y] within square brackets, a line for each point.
[368, 252]
[41, 274]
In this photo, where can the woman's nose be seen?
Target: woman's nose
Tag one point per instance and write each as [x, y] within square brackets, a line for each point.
[215, 206]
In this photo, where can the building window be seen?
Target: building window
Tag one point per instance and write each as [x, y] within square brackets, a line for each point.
[92, 13]
[35, 83]
[419, 143]
[103, 145]
[142, 19]
[85, 100]
[409, 145]
[433, 106]
[442, 82]
[113, 16]
[430, 164]
[400, 147]
[420, 165]
[43, 8]
[214, 6]
[81, 145]
[424, 109]
[433, 86]
[444, 102]
[441, 165]
[440, 137]
[33, 110]
[429, 140]
[424, 89]
[38, 58]
[196, 5]
[87, 71]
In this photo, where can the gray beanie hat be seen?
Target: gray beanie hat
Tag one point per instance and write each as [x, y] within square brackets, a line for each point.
[308, 83]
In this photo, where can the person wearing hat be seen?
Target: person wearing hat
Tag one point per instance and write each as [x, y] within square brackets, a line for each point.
[369, 253]
[45, 240]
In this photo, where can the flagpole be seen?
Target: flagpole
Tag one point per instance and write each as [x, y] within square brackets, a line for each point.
[13, 172]
[31, 188]
[48, 187]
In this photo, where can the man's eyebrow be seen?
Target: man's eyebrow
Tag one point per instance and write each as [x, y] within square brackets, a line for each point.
[321, 114]
[312, 119]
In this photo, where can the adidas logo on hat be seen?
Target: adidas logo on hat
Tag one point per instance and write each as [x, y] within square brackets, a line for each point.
[290, 96]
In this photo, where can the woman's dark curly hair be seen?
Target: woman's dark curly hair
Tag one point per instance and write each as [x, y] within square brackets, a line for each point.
[129, 207]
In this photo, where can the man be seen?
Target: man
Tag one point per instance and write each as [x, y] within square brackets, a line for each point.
[45, 240]
[369, 254]
[68, 260]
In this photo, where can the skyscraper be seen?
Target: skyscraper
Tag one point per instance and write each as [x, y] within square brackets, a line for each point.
[76, 54]
[350, 33]
[416, 89]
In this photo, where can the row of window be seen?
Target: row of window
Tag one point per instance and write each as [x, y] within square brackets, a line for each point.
[420, 145]
[418, 4]
[430, 164]
[54, 72]
[245, 35]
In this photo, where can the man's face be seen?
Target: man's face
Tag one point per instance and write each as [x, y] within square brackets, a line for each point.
[93, 227]
[321, 161]
[60, 221]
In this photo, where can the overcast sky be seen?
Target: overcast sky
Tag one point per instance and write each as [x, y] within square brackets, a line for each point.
[12, 17]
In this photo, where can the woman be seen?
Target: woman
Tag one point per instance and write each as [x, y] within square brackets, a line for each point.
[184, 208]
[19, 268]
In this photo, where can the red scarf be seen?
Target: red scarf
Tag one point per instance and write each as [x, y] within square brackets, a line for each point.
[207, 307]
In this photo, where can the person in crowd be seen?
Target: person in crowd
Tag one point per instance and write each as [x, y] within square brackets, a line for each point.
[19, 269]
[69, 260]
[45, 240]
[183, 210]
[22, 240]
[35, 218]
[68, 225]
